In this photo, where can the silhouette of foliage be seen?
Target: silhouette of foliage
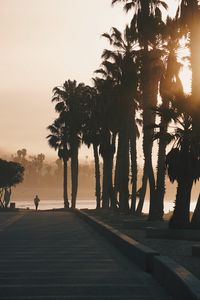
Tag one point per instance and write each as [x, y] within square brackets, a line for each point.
[11, 173]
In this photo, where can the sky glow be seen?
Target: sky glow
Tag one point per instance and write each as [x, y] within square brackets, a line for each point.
[44, 43]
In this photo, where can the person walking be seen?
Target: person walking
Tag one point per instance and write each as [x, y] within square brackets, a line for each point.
[36, 202]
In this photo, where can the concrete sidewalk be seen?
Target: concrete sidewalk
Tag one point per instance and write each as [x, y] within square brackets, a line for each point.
[55, 255]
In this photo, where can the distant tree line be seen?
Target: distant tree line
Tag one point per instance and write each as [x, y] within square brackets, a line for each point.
[137, 88]
[40, 173]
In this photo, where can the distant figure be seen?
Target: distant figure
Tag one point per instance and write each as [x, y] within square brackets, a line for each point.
[36, 202]
[7, 195]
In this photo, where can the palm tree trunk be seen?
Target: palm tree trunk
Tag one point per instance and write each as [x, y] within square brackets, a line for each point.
[65, 194]
[133, 150]
[148, 173]
[74, 175]
[112, 194]
[150, 91]
[107, 152]
[108, 192]
[181, 216]
[152, 185]
[106, 183]
[116, 177]
[1, 194]
[142, 193]
[161, 170]
[123, 145]
[195, 223]
[152, 71]
[97, 176]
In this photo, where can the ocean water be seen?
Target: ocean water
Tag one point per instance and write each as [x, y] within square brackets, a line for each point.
[51, 204]
[82, 203]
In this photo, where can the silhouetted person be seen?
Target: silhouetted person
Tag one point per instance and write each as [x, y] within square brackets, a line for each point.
[36, 202]
[7, 195]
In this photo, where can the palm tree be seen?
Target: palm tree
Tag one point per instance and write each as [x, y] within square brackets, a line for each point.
[105, 95]
[189, 16]
[170, 86]
[107, 151]
[91, 134]
[134, 135]
[151, 74]
[68, 101]
[147, 23]
[58, 140]
[120, 64]
[182, 162]
[183, 166]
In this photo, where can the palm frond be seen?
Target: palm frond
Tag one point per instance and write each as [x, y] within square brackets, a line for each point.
[115, 1]
[53, 141]
[128, 6]
[101, 71]
[165, 136]
[116, 34]
[164, 4]
[107, 54]
[107, 36]
[173, 164]
[60, 106]
[55, 99]
[168, 114]
[53, 129]
[109, 66]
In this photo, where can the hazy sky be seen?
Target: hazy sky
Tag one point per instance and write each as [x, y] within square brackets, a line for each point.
[43, 43]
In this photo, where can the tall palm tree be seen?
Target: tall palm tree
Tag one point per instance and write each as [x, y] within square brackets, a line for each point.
[91, 134]
[107, 150]
[183, 165]
[58, 140]
[134, 135]
[151, 75]
[105, 95]
[68, 101]
[170, 86]
[189, 16]
[120, 63]
[147, 23]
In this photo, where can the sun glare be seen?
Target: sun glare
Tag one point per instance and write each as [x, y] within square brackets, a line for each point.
[183, 54]
[186, 78]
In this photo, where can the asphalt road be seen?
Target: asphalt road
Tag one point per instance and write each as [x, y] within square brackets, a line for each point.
[55, 255]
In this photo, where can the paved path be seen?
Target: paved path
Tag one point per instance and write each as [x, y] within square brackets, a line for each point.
[55, 255]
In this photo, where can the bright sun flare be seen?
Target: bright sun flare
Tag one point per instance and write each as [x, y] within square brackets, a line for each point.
[183, 55]
[186, 77]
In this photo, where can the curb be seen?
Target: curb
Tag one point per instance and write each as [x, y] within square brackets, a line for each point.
[178, 281]
[140, 254]
[182, 284]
